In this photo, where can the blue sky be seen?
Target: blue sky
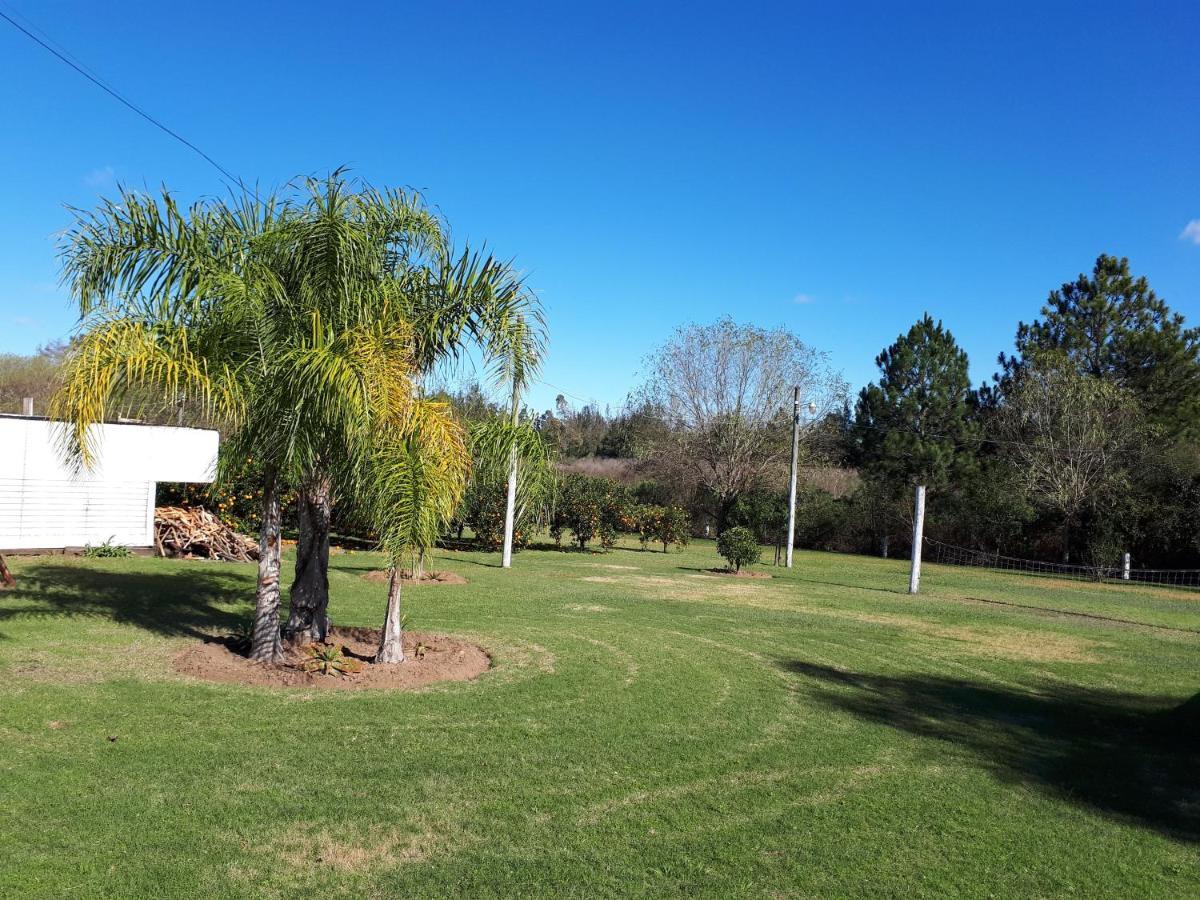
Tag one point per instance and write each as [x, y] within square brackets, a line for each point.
[835, 169]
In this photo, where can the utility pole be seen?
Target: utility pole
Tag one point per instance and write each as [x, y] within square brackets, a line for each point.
[510, 508]
[791, 537]
[914, 577]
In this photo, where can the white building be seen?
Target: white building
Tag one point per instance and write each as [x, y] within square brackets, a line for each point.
[44, 505]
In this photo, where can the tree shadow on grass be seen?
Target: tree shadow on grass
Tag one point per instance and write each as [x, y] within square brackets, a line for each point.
[187, 602]
[1130, 757]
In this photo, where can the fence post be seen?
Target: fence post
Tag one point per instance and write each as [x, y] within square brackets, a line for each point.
[27, 406]
[914, 577]
[1125, 568]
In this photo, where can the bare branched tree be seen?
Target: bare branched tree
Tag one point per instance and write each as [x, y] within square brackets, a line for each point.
[725, 392]
[1072, 437]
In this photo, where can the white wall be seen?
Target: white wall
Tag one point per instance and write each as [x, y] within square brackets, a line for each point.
[45, 504]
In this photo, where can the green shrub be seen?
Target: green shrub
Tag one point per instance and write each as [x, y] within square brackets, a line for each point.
[664, 525]
[485, 508]
[107, 550]
[763, 512]
[739, 546]
[592, 508]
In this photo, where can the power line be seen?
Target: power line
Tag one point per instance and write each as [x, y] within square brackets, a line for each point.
[50, 40]
[78, 67]
[564, 392]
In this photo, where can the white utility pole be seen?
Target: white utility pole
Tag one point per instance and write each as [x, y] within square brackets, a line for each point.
[914, 577]
[791, 537]
[510, 508]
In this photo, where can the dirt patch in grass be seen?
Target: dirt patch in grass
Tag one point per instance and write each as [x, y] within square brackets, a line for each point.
[745, 573]
[339, 850]
[355, 852]
[694, 586]
[381, 576]
[1005, 643]
[430, 658]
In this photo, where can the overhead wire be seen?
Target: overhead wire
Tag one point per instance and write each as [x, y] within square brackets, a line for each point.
[52, 47]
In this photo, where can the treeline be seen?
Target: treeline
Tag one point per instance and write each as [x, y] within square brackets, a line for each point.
[34, 376]
[1085, 444]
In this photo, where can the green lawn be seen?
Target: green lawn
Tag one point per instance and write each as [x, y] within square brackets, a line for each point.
[646, 729]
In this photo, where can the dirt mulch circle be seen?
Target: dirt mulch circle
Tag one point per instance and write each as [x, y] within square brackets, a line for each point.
[381, 576]
[745, 573]
[444, 658]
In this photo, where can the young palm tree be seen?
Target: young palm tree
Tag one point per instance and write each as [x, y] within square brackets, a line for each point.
[494, 442]
[414, 481]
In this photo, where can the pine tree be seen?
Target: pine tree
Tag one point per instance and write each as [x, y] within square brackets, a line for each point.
[916, 425]
[1113, 326]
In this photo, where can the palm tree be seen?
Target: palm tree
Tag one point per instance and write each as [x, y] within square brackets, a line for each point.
[413, 483]
[494, 442]
[302, 325]
[447, 304]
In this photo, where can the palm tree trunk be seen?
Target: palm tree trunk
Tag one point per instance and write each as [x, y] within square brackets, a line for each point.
[308, 619]
[391, 641]
[6, 579]
[265, 644]
[510, 505]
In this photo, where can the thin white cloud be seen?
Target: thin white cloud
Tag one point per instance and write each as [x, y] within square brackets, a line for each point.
[804, 299]
[24, 321]
[101, 178]
[1191, 232]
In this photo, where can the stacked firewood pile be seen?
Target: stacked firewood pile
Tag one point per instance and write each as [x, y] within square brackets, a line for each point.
[195, 533]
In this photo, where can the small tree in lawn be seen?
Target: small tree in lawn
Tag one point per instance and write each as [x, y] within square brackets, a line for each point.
[414, 483]
[739, 546]
[673, 526]
[590, 508]
[493, 441]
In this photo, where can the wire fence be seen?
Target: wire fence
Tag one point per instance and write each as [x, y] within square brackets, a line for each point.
[948, 554]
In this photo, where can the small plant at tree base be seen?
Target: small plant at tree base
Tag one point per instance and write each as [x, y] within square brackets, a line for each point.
[241, 637]
[107, 550]
[739, 546]
[328, 659]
